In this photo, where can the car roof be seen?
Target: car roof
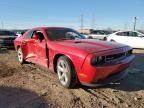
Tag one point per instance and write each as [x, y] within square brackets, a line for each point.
[127, 31]
[49, 28]
[44, 28]
[124, 31]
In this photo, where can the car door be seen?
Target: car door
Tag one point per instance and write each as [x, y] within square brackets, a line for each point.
[140, 40]
[98, 34]
[121, 37]
[41, 49]
[135, 40]
[28, 47]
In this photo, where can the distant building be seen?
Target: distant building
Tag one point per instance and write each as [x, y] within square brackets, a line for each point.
[87, 31]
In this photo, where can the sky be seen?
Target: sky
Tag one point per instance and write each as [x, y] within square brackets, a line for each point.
[98, 14]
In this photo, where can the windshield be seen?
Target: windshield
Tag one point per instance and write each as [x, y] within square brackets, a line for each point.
[140, 34]
[7, 33]
[63, 34]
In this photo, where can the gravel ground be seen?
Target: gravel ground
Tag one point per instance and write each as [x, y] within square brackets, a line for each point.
[29, 86]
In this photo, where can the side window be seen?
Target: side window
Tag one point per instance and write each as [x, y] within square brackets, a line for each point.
[119, 34]
[100, 33]
[94, 32]
[133, 34]
[122, 34]
[40, 34]
[29, 35]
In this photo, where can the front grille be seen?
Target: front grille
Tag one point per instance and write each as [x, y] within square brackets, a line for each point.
[116, 57]
[107, 59]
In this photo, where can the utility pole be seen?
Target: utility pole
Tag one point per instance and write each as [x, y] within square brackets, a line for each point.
[135, 21]
[82, 23]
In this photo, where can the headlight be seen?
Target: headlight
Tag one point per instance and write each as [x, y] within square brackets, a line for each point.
[97, 60]
[129, 52]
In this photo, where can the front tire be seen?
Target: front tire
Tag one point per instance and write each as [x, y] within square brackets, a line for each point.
[66, 72]
[105, 39]
[20, 56]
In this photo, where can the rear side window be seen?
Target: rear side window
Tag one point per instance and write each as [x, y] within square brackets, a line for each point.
[98, 32]
[122, 34]
[94, 32]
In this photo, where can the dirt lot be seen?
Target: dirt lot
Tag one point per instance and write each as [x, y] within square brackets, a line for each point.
[28, 86]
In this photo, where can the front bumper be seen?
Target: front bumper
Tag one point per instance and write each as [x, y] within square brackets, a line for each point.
[104, 74]
[113, 78]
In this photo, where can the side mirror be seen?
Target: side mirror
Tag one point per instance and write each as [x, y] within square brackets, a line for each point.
[36, 37]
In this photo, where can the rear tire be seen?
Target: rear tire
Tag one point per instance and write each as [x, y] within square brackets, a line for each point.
[20, 56]
[66, 72]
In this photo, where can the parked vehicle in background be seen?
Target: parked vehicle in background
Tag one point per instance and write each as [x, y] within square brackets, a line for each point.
[85, 35]
[73, 58]
[7, 38]
[18, 34]
[134, 39]
[21, 33]
[99, 34]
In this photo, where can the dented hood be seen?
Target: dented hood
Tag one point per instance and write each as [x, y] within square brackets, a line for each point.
[91, 45]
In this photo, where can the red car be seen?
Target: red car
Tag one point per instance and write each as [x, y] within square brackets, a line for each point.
[73, 58]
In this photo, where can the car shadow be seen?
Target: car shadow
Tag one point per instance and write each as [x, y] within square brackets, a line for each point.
[134, 81]
[12, 97]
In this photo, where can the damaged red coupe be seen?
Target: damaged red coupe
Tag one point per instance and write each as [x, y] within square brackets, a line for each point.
[73, 58]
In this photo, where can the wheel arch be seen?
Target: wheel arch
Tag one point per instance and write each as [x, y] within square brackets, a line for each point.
[105, 38]
[112, 40]
[18, 46]
[56, 57]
